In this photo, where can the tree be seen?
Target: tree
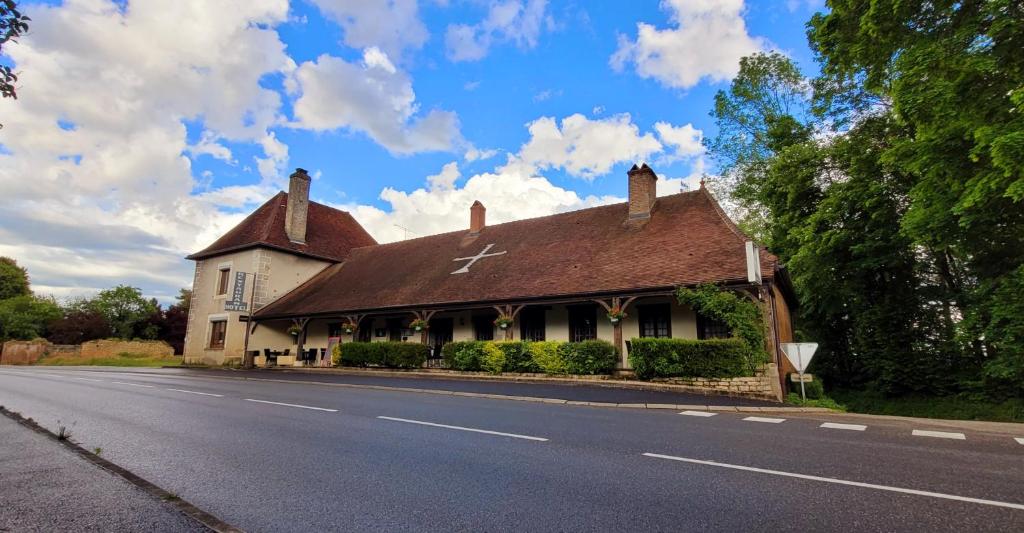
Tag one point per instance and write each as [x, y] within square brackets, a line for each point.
[175, 321]
[13, 24]
[127, 312]
[79, 323]
[13, 279]
[26, 317]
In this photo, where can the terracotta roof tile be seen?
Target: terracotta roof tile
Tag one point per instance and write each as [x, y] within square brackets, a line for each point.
[330, 233]
[687, 240]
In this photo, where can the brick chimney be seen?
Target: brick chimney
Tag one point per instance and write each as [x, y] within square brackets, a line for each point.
[298, 206]
[477, 217]
[643, 188]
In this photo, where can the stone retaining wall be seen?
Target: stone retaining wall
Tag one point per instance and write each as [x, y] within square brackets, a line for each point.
[22, 352]
[107, 348]
[764, 383]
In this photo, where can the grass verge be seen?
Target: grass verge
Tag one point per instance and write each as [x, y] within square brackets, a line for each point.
[826, 402]
[947, 407]
[121, 359]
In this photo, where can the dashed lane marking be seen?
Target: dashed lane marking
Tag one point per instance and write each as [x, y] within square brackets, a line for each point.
[89, 379]
[1020, 440]
[697, 413]
[131, 384]
[851, 427]
[460, 428]
[199, 393]
[764, 419]
[938, 434]
[294, 405]
[915, 492]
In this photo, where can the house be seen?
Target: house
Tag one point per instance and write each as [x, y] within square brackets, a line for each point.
[316, 270]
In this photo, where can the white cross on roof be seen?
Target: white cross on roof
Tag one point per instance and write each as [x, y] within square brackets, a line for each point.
[474, 259]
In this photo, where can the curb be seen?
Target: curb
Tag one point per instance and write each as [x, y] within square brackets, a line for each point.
[535, 399]
[206, 519]
[602, 381]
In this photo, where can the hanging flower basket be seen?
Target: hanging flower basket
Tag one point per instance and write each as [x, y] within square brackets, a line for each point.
[348, 328]
[616, 314]
[294, 330]
[418, 324]
[503, 322]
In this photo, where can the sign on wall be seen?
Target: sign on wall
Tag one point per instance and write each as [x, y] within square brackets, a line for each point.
[237, 300]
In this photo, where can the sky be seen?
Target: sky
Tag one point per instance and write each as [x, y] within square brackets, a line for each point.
[146, 129]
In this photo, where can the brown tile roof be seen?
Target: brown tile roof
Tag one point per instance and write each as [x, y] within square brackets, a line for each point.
[330, 233]
[687, 240]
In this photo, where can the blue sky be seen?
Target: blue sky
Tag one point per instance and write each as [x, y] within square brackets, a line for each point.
[145, 140]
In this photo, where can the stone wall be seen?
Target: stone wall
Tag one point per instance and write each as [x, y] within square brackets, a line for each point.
[22, 352]
[107, 348]
[764, 384]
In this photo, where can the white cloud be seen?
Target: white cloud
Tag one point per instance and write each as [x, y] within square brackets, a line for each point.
[584, 147]
[510, 192]
[507, 21]
[445, 180]
[685, 140]
[698, 171]
[389, 25]
[372, 97]
[707, 41]
[475, 154]
[119, 181]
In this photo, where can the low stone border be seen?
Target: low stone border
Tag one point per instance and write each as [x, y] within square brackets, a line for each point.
[206, 519]
[597, 381]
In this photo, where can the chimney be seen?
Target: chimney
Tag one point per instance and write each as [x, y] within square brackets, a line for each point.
[477, 216]
[643, 188]
[298, 206]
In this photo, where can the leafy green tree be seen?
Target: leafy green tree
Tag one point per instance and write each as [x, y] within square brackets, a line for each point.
[13, 279]
[13, 24]
[26, 317]
[127, 312]
[79, 323]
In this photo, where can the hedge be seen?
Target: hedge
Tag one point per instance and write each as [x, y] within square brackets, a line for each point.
[712, 358]
[385, 354]
[588, 357]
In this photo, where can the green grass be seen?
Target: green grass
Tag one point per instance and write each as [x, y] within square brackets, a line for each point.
[121, 359]
[826, 402]
[948, 407]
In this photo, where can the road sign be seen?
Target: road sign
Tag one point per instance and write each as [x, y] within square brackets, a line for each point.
[797, 378]
[237, 301]
[799, 353]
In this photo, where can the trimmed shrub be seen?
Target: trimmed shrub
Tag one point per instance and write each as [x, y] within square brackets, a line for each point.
[588, 357]
[464, 355]
[814, 390]
[493, 359]
[517, 357]
[385, 354]
[544, 354]
[712, 358]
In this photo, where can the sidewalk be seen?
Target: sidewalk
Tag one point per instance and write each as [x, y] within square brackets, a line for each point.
[44, 486]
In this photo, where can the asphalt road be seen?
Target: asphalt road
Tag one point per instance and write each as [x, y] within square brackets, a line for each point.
[355, 459]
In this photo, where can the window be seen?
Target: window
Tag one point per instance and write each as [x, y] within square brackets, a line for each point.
[218, 330]
[222, 281]
[531, 324]
[582, 323]
[483, 327]
[655, 320]
[709, 328]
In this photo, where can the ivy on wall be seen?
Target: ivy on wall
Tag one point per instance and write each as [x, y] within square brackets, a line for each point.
[739, 313]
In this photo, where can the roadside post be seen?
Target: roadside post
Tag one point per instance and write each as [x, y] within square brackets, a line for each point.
[800, 355]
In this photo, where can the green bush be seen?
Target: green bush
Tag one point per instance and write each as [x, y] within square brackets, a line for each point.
[385, 354]
[544, 354]
[713, 358]
[517, 357]
[814, 390]
[588, 357]
[494, 358]
[741, 315]
[464, 355]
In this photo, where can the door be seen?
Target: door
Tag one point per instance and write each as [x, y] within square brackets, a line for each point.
[440, 333]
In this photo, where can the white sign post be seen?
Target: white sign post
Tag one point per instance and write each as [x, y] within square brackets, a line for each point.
[800, 354]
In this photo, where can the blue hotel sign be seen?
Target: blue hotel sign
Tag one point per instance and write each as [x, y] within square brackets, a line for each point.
[237, 301]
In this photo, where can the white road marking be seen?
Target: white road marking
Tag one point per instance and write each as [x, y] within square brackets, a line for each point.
[765, 420]
[88, 379]
[460, 428]
[293, 405]
[1020, 440]
[938, 434]
[851, 427]
[200, 393]
[841, 481]
[132, 384]
[697, 413]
